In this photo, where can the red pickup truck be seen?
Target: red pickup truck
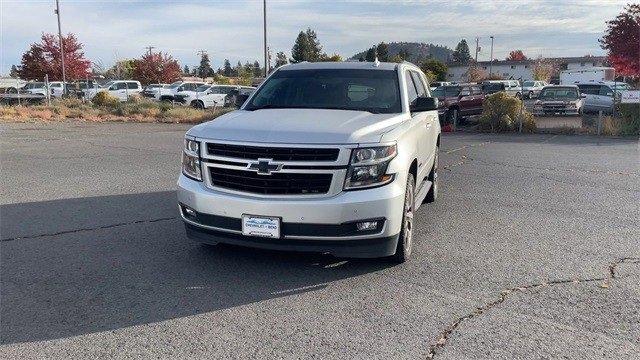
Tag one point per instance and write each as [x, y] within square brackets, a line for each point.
[458, 101]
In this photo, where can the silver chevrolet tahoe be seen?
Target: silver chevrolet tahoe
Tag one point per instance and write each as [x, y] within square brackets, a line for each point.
[323, 157]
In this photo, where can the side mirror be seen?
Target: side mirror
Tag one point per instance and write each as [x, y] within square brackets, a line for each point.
[425, 104]
[609, 94]
[583, 96]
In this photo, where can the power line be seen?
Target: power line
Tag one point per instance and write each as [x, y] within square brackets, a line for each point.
[149, 48]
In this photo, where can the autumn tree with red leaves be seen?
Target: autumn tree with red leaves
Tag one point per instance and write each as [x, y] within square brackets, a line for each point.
[156, 68]
[45, 58]
[622, 40]
[516, 55]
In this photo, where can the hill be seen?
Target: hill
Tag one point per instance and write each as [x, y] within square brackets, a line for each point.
[418, 52]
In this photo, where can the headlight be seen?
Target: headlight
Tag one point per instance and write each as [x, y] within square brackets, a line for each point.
[572, 105]
[368, 167]
[191, 160]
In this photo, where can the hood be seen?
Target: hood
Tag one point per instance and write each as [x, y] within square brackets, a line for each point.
[303, 126]
[445, 101]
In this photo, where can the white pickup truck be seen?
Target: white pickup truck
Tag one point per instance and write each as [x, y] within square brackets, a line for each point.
[323, 157]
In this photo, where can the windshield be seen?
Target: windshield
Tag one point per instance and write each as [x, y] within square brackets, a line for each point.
[107, 85]
[492, 87]
[528, 83]
[559, 93]
[446, 91]
[375, 91]
[202, 88]
[174, 85]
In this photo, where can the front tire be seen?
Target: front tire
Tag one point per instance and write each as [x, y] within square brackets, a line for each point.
[197, 104]
[405, 241]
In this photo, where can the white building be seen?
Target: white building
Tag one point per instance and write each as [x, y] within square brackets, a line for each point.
[522, 70]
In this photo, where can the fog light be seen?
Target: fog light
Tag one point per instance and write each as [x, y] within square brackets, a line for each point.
[367, 225]
[188, 212]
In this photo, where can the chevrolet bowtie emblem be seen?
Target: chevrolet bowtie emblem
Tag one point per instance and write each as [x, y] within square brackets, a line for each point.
[264, 167]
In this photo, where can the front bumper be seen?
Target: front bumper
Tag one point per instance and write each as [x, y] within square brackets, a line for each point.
[565, 112]
[308, 224]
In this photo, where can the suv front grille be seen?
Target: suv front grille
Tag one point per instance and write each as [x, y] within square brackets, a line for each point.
[275, 153]
[274, 184]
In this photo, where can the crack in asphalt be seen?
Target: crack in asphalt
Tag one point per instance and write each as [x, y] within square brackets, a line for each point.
[587, 171]
[463, 160]
[110, 226]
[467, 147]
[442, 340]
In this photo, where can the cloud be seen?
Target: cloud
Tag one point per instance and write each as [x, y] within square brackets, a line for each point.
[233, 29]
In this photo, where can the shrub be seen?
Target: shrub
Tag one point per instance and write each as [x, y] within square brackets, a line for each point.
[135, 98]
[629, 119]
[501, 112]
[611, 126]
[103, 98]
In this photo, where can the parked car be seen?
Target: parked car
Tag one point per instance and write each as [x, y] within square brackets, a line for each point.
[121, 89]
[149, 90]
[239, 95]
[531, 89]
[56, 89]
[597, 96]
[212, 96]
[323, 157]
[30, 86]
[167, 93]
[185, 97]
[559, 100]
[437, 84]
[458, 101]
[511, 87]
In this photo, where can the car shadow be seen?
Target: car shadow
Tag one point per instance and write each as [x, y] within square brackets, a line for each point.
[77, 266]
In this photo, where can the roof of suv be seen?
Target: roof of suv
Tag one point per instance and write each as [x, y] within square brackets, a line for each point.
[340, 65]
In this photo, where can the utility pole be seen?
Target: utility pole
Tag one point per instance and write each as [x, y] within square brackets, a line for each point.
[477, 40]
[264, 23]
[149, 48]
[64, 76]
[491, 60]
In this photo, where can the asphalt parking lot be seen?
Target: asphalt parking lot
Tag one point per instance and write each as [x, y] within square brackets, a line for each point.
[532, 251]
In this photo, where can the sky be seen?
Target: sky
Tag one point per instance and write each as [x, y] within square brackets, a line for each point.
[113, 29]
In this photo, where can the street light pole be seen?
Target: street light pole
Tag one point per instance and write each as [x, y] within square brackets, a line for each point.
[491, 60]
[64, 76]
[264, 23]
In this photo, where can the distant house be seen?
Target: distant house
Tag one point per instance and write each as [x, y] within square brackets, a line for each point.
[522, 70]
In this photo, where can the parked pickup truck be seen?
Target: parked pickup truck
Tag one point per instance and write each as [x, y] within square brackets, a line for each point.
[458, 101]
[167, 93]
[331, 157]
[559, 100]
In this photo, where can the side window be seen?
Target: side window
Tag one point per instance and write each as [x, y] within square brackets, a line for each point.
[412, 94]
[476, 90]
[121, 85]
[590, 89]
[132, 85]
[422, 92]
[605, 90]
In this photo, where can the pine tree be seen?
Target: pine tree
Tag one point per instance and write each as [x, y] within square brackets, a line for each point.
[227, 69]
[306, 47]
[383, 52]
[205, 70]
[371, 54]
[257, 70]
[186, 70]
[461, 54]
[281, 59]
[14, 73]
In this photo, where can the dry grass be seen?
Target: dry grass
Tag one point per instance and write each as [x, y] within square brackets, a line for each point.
[136, 110]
